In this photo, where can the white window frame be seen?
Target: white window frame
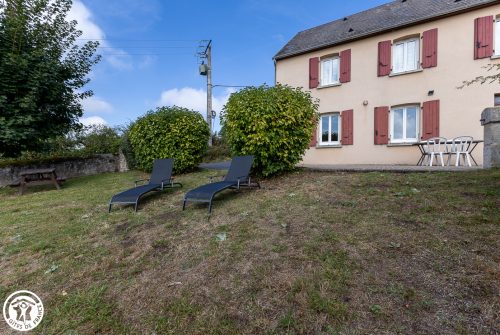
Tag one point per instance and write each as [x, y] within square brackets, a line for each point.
[407, 67]
[335, 60]
[405, 139]
[496, 35]
[339, 135]
[496, 100]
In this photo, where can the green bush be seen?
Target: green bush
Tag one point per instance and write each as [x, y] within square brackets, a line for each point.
[219, 151]
[29, 158]
[126, 147]
[87, 141]
[98, 139]
[272, 123]
[84, 143]
[169, 132]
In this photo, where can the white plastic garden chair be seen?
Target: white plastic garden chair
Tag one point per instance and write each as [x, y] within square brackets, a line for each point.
[436, 147]
[461, 146]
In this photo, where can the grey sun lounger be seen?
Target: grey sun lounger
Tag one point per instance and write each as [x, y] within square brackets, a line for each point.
[237, 176]
[161, 178]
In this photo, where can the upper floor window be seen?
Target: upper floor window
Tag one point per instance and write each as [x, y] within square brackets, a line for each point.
[405, 124]
[330, 127]
[406, 55]
[330, 71]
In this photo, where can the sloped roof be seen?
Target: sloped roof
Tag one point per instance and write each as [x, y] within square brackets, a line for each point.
[393, 15]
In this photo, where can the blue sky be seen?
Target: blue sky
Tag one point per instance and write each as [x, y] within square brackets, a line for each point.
[149, 48]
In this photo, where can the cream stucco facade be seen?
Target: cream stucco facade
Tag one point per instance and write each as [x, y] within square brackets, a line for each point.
[460, 109]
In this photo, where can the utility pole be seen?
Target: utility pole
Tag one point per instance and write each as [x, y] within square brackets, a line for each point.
[209, 90]
[205, 52]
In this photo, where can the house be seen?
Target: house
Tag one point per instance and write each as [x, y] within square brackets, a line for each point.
[389, 76]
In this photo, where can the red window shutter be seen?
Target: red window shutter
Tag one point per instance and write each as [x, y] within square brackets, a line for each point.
[430, 119]
[483, 37]
[345, 66]
[347, 127]
[313, 72]
[430, 46]
[314, 137]
[382, 125]
[384, 58]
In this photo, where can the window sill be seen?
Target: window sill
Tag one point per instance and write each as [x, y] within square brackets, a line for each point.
[328, 146]
[406, 72]
[403, 144]
[330, 85]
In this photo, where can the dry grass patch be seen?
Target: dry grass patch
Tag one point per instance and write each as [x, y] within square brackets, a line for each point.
[309, 253]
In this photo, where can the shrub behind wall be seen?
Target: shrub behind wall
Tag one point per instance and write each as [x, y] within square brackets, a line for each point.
[84, 143]
[169, 132]
[274, 124]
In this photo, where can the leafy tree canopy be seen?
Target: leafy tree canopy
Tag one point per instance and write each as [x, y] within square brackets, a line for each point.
[43, 69]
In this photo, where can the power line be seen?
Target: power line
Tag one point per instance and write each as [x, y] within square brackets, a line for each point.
[145, 54]
[149, 50]
[133, 40]
[235, 86]
[145, 47]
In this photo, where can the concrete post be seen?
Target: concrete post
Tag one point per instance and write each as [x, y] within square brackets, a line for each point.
[490, 119]
[122, 162]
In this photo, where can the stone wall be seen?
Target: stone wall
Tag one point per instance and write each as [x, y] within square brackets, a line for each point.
[76, 167]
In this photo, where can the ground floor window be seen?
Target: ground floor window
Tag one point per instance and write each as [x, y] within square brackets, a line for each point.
[330, 126]
[405, 124]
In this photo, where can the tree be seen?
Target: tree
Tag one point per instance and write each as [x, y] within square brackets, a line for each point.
[274, 124]
[42, 72]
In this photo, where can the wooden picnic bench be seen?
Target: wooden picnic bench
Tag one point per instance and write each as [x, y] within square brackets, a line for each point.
[39, 177]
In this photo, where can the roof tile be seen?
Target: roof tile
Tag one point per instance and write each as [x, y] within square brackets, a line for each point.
[376, 20]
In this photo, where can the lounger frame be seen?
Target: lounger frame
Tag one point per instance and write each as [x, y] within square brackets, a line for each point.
[160, 188]
[161, 168]
[235, 183]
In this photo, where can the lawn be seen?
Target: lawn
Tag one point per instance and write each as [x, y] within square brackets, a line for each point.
[309, 253]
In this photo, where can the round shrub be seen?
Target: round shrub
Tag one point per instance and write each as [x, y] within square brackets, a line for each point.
[274, 124]
[169, 132]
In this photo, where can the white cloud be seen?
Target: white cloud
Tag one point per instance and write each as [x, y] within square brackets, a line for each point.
[121, 60]
[195, 99]
[92, 120]
[91, 31]
[83, 16]
[97, 105]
